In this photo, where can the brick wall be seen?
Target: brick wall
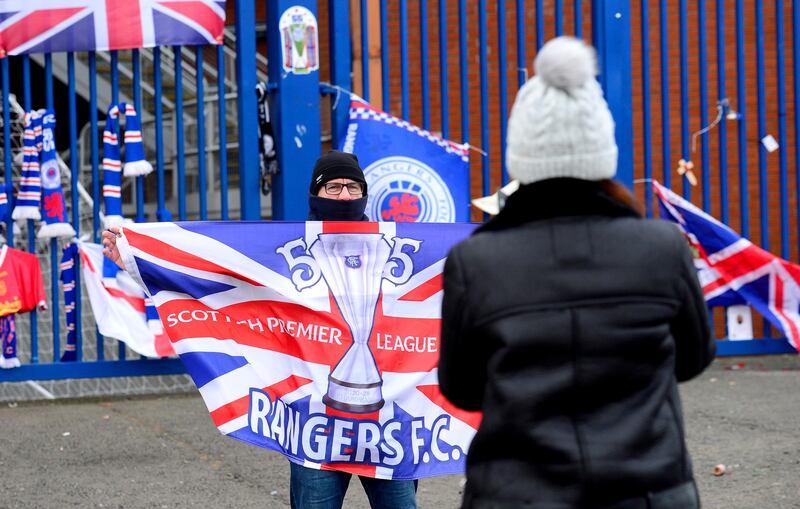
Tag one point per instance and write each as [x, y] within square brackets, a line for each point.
[677, 131]
[658, 166]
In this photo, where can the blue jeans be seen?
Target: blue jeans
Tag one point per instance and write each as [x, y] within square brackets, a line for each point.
[325, 489]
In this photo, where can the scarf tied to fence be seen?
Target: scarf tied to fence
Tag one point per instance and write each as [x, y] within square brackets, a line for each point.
[67, 266]
[30, 185]
[135, 163]
[40, 182]
[53, 203]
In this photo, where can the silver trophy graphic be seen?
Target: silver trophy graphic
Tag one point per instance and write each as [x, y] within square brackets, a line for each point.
[352, 265]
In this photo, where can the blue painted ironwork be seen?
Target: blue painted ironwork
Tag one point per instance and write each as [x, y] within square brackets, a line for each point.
[705, 157]
[247, 112]
[201, 134]
[483, 30]
[54, 254]
[577, 10]
[114, 77]
[754, 347]
[762, 132]
[612, 37]
[741, 104]
[162, 214]
[179, 137]
[783, 163]
[7, 173]
[95, 152]
[611, 33]
[663, 31]
[385, 88]
[761, 95]
[444, 104]
[404, 59]
[644, 28]
[539, 24]
[559, 15]
[74, 165]
[48, 80]
[223, 134]
[463, 70]
[27, 106]
[423, 64]
[502, 86]
[722, 95]
[364, 15]
[340, 69]
[683, 42]
[121, 354]
[95, 161]
[295, 119]
[137, 103]
[96, 369]
[796, 94]
[522, 73]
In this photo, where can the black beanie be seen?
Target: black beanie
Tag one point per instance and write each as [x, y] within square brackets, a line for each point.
[336, 165]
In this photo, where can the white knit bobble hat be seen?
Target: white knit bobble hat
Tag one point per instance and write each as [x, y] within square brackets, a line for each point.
[560, 125]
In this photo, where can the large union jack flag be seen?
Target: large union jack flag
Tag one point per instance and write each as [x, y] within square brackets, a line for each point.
[732, 270]
[81, 25]
[319, 340]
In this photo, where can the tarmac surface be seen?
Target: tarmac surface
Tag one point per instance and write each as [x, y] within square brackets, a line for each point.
[164, 452]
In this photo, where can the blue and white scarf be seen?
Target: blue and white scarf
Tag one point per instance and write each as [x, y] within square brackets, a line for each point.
[68, 281]
[30, 184]
[53, 203]
[135, 163]
[8, 335]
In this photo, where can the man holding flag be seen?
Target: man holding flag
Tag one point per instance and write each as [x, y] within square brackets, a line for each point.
[337, 192]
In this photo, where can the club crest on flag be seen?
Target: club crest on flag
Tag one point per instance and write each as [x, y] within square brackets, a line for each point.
[412, 174]
[51, 176]
[403, 189]
[352, 261]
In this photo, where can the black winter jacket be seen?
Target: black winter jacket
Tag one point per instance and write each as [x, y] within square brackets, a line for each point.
[568, 320]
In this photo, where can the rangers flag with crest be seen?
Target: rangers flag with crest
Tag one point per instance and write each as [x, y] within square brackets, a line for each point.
[412, 174]
[46, 26]
[732, 270]
[319, 340]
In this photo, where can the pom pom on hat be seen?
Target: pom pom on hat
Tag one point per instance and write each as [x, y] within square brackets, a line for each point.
[566, 63]
[560, 124]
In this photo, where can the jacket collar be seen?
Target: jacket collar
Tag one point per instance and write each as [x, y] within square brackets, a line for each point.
[559, 197]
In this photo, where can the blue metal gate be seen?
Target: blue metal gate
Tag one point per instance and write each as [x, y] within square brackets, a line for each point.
[450, 67]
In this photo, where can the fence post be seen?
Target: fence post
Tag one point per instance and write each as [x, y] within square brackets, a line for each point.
[341, 67]
[294, 100]
[249, 185]
[611, 34]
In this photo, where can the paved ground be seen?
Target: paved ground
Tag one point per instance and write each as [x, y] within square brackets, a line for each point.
[163, 452]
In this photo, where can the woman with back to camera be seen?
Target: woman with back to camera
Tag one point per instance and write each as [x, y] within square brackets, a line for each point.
[568, 318]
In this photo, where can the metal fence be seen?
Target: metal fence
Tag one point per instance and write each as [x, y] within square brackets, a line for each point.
[668, 68]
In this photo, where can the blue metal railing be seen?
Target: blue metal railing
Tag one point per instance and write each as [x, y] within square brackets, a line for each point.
[723, 185]
[41, 355]
[493, 43]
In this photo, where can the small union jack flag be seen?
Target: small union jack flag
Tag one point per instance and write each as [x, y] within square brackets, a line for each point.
[83, 25]
[732, 270]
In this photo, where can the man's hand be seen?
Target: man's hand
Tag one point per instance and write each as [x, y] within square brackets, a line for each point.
[110, 248]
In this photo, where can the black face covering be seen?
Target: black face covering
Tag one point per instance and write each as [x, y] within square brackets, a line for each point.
[325, 209]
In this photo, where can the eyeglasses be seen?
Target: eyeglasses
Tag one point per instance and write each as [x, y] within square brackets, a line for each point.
[335, 189]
